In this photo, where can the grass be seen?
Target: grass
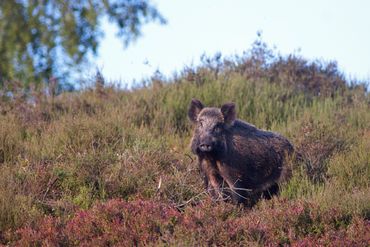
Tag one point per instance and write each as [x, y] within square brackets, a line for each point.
[109, 166]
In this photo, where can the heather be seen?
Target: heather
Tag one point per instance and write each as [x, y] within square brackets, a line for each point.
[109, 166]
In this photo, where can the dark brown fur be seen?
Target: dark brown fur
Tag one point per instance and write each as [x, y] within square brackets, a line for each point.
[236, 159]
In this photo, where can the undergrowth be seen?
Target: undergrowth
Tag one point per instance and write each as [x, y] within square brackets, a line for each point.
[106, 166]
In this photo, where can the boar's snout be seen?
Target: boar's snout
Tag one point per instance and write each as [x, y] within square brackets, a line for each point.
[206, 144]
[205, 147]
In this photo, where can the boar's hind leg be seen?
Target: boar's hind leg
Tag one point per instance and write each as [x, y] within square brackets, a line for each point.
[271, 191]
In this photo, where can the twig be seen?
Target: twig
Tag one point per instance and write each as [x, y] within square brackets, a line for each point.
[159, 185]
[187, 155]
[190, 200]
[48, 188]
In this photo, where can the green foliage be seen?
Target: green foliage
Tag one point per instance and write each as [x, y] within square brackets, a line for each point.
[111, 166]
[38, 38]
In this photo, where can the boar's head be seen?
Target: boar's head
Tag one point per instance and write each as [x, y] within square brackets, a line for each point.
[212, 125]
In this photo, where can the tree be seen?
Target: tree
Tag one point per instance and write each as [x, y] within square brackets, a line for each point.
[40, 39]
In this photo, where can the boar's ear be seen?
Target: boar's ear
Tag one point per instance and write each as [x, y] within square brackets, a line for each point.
[229, 113]
[195, 107]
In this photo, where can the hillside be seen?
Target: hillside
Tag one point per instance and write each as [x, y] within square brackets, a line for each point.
[106, 166]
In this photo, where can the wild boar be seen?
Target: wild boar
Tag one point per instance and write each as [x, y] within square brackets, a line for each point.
[237, 160]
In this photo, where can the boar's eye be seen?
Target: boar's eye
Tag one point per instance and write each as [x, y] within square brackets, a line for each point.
[201, 123]
[217, 129]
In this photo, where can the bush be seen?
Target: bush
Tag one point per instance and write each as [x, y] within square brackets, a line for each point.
[113, 166]
[125, 223]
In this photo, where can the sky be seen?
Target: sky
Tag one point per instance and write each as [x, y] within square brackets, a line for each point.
[316, 29]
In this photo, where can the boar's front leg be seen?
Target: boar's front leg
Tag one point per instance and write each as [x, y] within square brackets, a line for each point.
[212, 179]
